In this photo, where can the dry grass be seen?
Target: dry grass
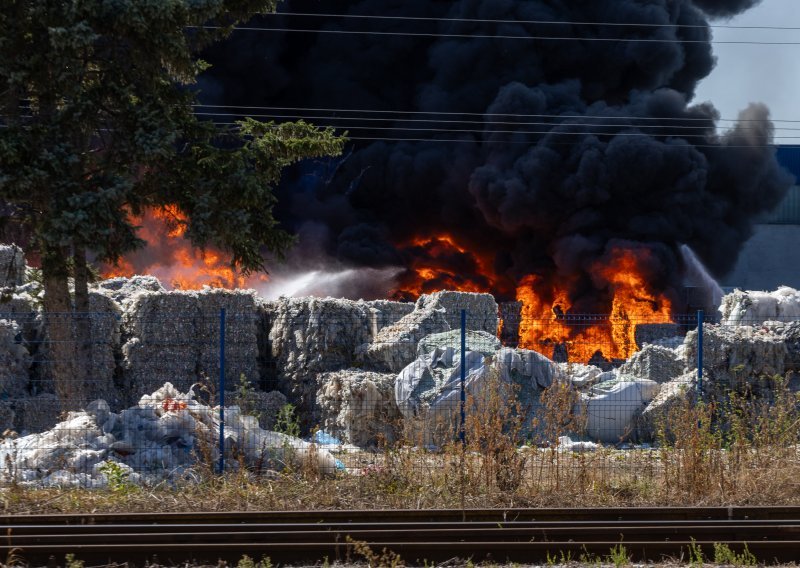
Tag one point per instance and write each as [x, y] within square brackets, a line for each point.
[740, 452]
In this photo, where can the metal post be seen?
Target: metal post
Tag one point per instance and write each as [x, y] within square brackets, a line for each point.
[700, 316]
[222, 391]
[462, 432]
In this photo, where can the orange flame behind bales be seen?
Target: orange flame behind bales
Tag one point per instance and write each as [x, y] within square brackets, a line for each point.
[545, 325]
[170, 257]
[439, 263]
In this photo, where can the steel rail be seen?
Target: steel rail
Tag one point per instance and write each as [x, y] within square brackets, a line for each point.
[518, 535]
[404, 515]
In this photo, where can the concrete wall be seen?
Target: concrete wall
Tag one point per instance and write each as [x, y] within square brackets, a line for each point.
[771, 258]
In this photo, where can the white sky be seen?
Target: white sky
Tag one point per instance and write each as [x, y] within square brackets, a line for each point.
[758, 73]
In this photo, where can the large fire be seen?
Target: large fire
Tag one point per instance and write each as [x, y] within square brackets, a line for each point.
[170, 257]
[547, 326]
[438, 262]
[548, 322]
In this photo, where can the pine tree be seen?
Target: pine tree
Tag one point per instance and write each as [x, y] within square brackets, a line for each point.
[97, 124]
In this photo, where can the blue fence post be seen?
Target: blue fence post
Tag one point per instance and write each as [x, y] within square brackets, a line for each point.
[462, 431]
[222, 391]
[700, 317]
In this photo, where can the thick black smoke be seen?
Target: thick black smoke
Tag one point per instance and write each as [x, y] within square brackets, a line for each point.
[558, 150]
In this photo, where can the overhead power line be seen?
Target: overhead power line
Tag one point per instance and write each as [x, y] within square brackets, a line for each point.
[529, 22]
[482, 114]
[464, 122]
[531, 132]
[499, 36]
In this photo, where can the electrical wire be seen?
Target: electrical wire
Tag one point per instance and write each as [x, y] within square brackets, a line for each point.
[530, 22]
[465, 122]
[481, 114]
[498, 36]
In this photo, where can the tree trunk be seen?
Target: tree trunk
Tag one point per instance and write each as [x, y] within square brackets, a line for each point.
[59, 316]
[83, 327]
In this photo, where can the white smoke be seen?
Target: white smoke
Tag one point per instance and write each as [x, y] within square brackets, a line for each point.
[353, 283]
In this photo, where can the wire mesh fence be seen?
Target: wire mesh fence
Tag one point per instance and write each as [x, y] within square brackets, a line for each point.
[177, 386]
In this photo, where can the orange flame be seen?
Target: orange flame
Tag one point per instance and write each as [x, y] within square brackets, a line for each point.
[547, 325]
[438, 262]
[170, 256]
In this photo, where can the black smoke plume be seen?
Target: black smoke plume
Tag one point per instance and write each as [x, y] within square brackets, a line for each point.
[558, 150]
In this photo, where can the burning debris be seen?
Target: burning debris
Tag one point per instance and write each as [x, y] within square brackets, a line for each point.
[369, 372]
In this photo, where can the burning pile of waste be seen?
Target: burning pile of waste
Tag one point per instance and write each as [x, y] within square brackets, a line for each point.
[364, 372]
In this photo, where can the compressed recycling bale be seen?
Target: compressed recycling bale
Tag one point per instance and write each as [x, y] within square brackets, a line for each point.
[122, 289]
[161, 345]
[479, 341]
[241, 341]
[482, 311]
[655, 417]
[358, 407]
[12, 266]
[15, 362]
[395, 346]
[754, 307]
[95, 361]
[309, 336]
[21, 307]
[386, 312]
[659, 364]
[175, 336]
[738, 357]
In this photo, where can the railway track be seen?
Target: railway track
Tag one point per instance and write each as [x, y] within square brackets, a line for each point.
[513, 535]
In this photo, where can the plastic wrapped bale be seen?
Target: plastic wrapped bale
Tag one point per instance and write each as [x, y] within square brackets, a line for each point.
[309, 336]
[659, 364]
[358, 406]
[655, 418]
[386, 312]
[754, 307]
[580, 375]
[395, 346]
[482, 311]
[15, 362]
[12, 266]
[428, 391]
[609, 408]
[541, 370]
[737, 358]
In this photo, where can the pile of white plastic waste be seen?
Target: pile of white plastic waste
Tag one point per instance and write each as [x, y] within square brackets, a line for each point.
[166, 436]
